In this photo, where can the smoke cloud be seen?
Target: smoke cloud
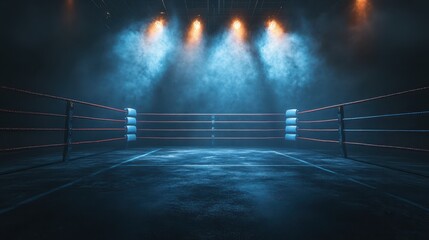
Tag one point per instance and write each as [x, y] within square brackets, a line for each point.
[220, 72]
[141, 60]
[289, 60]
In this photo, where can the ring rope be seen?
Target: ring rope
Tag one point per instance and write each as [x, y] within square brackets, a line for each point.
[59, 144]
[58, 115]
[32, 113]
[365, 144]
[210, 138]
[318, 140]
[364, 100]
[98, 129]
[60, 98]
[99, 119]
[388, 130]
[211, 114]
[31, 129]
[179, 121]
[317, 130]
[99, 141]
[60, 129]
[386, 116]
[364, 130]
[32, 147]
[319, 121]
[208, 129]
[387, 146]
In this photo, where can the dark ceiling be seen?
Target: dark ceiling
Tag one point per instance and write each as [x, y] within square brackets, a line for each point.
[44, 42]
[214, 12]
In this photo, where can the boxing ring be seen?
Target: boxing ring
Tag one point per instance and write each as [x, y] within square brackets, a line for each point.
[207, 188]
[128, 125]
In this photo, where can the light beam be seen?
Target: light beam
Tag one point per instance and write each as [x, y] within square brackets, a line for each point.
[238, 29]
[195, 33]
[361, 11]
[155, 28]
[274, 28]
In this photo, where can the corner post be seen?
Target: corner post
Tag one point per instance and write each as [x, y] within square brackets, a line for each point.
[213, 136]
[341, 132]
[291, 125]
[130, 125]
[68, 131]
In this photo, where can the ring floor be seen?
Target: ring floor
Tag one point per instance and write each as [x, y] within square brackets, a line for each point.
[213, 193]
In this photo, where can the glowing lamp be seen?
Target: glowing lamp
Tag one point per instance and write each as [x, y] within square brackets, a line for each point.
[159, 25]
[196, 25]
[272, 25]
[236, 24]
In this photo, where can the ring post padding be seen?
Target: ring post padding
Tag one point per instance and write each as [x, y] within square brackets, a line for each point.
[130, 121]
[131, 137]
[291, 129]
[131, 112]
[290, 137]
[290, 113]
[291, 121]
[130, 124]
[131, 129]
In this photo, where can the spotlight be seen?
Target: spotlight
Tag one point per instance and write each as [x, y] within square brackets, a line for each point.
[236, 24]
[196, 25]
[238, 29]
[272, 25]
[362, 10]
[155, 28]
[274, 28]
[361, 5]
[195, 32]
[159, 25]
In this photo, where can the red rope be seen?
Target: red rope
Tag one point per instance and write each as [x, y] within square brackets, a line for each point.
[210, 121]
[366, 144]
[60, 98]
[98, 141]
[98, 129]
[208, 130]
[319, 121]
[59, 115]
[365, 100]
[32, 113]
[387, 146]
[209, 138]
[32, 129]
[32, 147]
[59, 144]
[317, 130]
[389, 130]
[99, 119]
[318, 140]
[211, 114]
[61, 129]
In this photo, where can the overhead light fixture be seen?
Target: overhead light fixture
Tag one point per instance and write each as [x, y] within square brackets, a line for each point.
[236, 24]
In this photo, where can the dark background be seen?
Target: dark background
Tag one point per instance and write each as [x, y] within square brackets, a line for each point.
[60, 47]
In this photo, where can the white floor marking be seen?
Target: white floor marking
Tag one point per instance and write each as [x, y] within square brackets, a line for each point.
[215, 165]
[356, 181]
[41, 195]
